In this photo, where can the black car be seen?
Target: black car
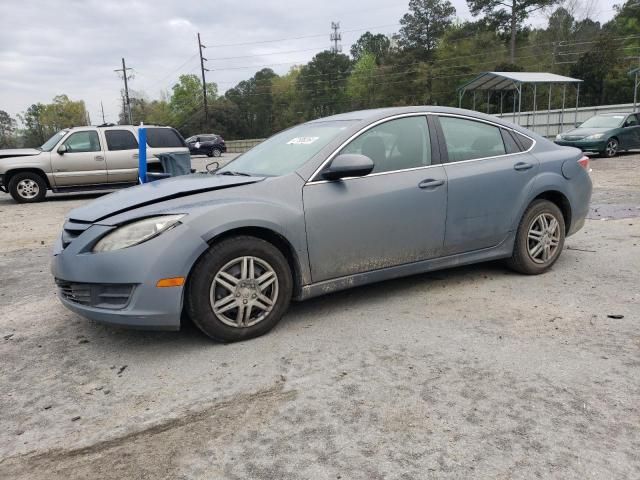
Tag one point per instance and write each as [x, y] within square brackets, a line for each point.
[210, 145]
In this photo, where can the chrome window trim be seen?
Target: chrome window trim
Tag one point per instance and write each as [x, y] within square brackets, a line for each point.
[312, 180]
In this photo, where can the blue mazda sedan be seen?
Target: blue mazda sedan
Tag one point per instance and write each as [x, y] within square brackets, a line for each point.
[330, 204]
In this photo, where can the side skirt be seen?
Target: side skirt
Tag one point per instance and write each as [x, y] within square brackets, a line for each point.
[503, 250]
[89, 188]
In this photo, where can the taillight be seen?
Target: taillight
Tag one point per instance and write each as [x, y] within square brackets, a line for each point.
[584, 162]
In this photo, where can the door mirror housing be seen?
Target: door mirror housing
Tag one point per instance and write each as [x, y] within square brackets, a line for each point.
[62, 149]
[348, 165]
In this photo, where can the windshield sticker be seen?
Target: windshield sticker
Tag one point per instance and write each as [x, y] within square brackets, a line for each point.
[302, 140]
[617, 116]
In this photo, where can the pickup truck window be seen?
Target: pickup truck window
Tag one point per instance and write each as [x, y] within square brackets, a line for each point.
[120, 140]
[164, 138]
[80, 142]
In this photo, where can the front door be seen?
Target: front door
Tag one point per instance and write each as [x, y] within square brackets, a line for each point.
[393, 216]
[122, 156]
[630, 133]
[487, 183]
[83, 162]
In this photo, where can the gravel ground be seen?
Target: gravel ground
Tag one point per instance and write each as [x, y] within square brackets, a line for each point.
[473, 372]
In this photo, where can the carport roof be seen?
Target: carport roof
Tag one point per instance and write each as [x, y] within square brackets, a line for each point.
[511, 80]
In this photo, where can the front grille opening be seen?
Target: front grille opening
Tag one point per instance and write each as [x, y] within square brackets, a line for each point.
[98, 295]
[71, 230]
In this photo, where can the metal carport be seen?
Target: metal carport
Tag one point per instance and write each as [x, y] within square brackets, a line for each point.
[515, 81]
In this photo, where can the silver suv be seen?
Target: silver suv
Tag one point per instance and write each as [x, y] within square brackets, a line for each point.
[84, 158]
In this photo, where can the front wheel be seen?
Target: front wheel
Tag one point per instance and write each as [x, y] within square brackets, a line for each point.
[239, 289]
[27, 187]
[611, 149]
[539, 239]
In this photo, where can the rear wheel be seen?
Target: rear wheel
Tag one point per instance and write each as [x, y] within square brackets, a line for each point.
[539, 239]
[239, 289]
[27, 187]
[611, 149]
[216, 152]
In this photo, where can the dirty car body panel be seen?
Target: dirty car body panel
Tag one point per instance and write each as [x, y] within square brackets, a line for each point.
[445, 210]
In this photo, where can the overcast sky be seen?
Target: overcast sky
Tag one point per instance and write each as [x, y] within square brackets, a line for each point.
[49, 47]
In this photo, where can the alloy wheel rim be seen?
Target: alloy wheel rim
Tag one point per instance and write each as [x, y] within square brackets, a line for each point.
[543, 238]
[244, 292]
[27, 188]
[612, 147]
[216, 153]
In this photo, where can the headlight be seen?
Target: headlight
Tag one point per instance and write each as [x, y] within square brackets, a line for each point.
[137, 232]
[559, 137]
[595, 136]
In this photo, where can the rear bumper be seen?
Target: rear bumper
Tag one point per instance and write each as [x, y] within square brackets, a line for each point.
[584, 145]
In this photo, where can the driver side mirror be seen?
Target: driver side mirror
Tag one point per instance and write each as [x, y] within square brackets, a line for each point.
[348, 165]
[62, 149]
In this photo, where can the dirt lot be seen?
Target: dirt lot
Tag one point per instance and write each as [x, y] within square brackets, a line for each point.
[474, 372]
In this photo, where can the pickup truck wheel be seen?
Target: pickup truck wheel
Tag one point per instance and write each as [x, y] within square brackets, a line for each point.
[27, 187]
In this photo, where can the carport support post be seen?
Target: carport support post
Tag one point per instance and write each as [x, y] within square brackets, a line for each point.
[142, 155]
[535, 94]
[548, 112]
[519, 102]
[575, 117]
[488, 100]
[564, 94]
[514, 105]
[474, 100]
[501, 96]
[635, 92]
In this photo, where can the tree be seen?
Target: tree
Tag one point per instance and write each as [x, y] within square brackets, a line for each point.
[7, 130]
[378, 45]
[508, 14]
[63, 113]
[361, 85]
[322, 84]
[187, 102]
[424, 25]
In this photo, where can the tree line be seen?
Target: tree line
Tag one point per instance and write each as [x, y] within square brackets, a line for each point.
[423, 63]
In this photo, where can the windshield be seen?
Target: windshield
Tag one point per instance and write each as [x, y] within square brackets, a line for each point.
[286, 151]
[603, 121]
[49, 144]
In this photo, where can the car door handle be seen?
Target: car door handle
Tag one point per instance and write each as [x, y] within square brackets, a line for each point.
[99, 158]
[135, 155]
[520, 166]
[430, 183]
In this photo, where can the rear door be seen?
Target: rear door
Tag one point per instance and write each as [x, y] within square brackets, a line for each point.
[488, 179]
[122, 155]
[83, 163]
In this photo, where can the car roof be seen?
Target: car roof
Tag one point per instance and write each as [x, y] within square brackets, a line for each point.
[611, 114]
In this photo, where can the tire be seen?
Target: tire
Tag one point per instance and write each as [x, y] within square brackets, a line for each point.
[210, 153]
[611, 149]
[528, 257]
[213, 277]
[216, 152]
[27, 187]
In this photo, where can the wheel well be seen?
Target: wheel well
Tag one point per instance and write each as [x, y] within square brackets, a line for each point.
[11, 173]
[277, 241]
[561, 202]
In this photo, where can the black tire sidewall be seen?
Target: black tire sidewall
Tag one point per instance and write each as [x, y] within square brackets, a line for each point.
[521, 261]
[199, 284]
[13, 187]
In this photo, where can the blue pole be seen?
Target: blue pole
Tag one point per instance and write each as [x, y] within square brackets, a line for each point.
[142, 155]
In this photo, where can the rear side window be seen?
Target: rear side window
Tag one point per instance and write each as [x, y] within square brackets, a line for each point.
[164, 138]
[509, 142]
[120, 140]
[468, 139]
[525, 142]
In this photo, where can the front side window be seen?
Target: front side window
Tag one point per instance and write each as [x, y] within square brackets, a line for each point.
[81, 142]
[120, 140]
[468, 139]
[632, 121]
[395, 145]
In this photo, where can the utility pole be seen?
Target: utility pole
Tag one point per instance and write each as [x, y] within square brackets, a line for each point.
[204, 81]
[102, 109]
[335, 37]
[126, 90]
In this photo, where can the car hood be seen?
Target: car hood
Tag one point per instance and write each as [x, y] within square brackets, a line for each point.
[155, 192]
[19, 152]
[585, 132]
